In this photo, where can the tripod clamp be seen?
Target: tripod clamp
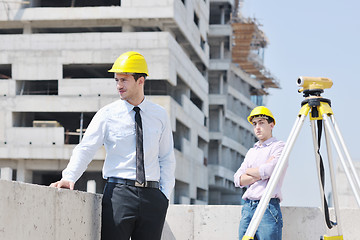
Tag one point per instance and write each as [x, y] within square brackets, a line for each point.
[318, 106]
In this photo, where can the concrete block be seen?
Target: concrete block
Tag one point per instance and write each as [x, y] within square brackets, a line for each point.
[181, 221]
[37, 212]
[6, 173]
[350, 219]
[211, 221]
[167, 234]
[302, 223]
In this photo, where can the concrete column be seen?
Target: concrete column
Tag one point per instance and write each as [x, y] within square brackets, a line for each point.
[91, 186]
[222, 15]
[221, 120]
[6, 173]
[23, 174]
[221, 84]
[222, 54]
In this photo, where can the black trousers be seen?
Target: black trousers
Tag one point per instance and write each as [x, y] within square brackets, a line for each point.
[135, 212]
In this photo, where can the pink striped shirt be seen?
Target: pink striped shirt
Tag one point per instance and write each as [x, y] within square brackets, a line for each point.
[256, 157]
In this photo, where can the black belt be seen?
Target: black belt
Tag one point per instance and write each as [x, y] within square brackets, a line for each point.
[129, 182]
[272, 200]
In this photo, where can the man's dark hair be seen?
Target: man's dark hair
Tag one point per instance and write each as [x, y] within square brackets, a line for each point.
[139, 75]
[268, 118]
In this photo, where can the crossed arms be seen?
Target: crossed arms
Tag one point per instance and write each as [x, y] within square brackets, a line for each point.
[252, 175]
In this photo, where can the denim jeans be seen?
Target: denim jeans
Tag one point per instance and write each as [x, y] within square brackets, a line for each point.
[270, 227]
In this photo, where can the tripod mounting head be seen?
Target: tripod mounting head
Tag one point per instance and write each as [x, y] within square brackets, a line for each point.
[313, 86]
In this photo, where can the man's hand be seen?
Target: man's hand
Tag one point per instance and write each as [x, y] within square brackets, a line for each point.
[63, 184]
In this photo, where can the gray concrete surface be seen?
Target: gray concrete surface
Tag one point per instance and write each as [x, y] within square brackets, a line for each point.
[35, 212]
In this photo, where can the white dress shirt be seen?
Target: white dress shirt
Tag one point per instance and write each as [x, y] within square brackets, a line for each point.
[114, 126]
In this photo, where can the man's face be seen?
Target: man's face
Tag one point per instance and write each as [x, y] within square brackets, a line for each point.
[129, 89]
[262, 129]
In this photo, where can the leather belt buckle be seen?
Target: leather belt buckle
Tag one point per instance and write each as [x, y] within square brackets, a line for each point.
[137, 184]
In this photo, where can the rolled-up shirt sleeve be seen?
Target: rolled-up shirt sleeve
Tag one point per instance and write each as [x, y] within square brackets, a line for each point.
[240, 172]
[266, 169]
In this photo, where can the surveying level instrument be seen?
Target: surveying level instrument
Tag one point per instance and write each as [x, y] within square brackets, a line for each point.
[320, 111]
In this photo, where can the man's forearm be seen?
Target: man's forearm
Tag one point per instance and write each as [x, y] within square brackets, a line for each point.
[247, 179]
[254, 172]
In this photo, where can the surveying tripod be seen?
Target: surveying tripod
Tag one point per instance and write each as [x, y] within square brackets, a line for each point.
[320, 110]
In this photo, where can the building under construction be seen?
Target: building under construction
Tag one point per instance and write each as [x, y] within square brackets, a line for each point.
[205, 68]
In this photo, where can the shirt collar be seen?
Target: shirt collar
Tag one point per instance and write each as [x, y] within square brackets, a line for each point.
[130, 107]
[266, 143]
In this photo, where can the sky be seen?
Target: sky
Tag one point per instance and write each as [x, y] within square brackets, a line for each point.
[310, 38]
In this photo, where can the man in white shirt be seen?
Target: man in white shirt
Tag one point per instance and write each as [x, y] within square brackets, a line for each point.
[139, 163]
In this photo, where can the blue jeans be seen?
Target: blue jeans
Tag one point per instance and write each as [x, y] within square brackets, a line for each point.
[270, 227]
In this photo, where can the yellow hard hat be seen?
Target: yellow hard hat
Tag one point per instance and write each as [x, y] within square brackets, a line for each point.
[130, 62]
[260, 110]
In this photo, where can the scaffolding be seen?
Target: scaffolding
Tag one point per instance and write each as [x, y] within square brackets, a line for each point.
[248, 46]
[248, 43]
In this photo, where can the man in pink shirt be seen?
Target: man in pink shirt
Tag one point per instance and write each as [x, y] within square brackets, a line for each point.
[254, 173]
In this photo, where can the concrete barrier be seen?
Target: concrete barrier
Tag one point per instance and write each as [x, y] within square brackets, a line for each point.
[217, 222]
[32, 212]
[35, 212]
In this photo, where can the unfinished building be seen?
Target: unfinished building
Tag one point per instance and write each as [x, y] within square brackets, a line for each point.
[54, 57]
